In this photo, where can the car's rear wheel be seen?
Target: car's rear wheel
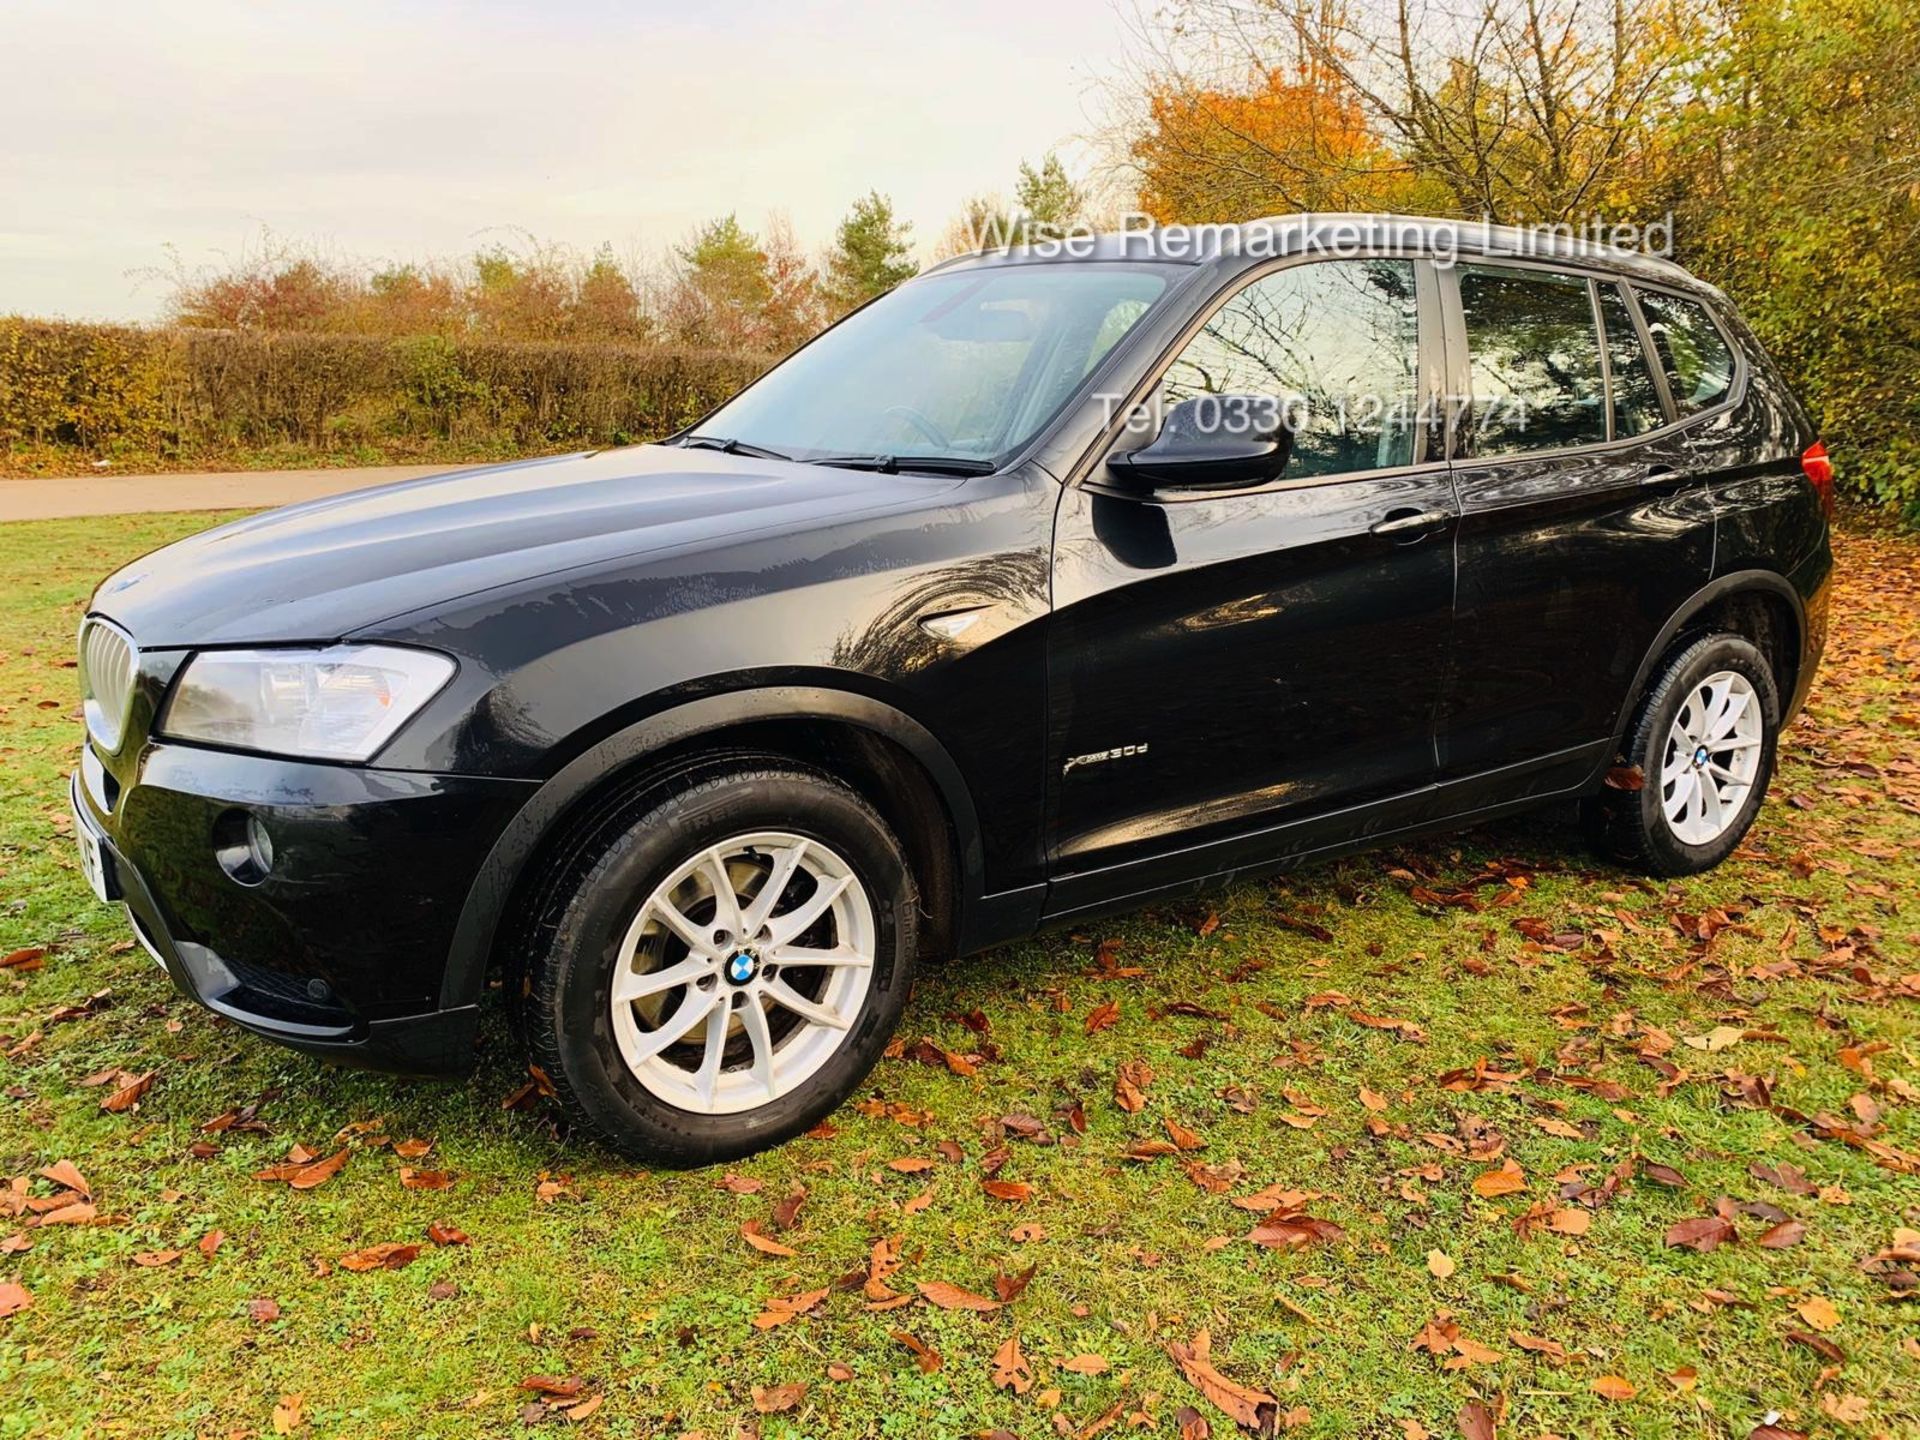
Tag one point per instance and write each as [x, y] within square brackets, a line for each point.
[1702, 751]
[725, 967]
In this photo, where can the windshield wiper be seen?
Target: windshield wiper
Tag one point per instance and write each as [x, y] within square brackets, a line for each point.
[894, 464]
[729, 447]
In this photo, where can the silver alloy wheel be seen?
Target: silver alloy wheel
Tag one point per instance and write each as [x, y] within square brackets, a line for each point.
[743, 972]
[1712, 757]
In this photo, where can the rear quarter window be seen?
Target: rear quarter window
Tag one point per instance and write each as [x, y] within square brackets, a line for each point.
[1692, 349]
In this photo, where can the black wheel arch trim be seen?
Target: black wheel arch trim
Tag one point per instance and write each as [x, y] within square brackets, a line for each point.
[485, 907]
[1737, 582]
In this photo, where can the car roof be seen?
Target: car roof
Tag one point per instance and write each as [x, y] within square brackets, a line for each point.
[1333, 234]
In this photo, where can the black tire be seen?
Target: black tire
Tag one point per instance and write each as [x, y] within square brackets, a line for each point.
[1631, 825]
[565, 1004]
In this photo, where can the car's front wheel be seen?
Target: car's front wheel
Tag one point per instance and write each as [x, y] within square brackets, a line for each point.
[1702, 750]
[724, 967]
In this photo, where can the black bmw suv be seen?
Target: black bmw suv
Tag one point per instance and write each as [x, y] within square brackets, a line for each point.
[1044, 585]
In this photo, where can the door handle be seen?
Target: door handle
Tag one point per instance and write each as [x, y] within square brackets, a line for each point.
[1410, 522]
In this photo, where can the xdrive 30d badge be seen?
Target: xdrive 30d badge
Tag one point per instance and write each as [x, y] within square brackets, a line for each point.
[1041, 586]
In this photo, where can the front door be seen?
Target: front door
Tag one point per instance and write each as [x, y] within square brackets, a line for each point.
[1223, 665]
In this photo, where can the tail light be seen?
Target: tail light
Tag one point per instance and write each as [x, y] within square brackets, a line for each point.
[1820, 472]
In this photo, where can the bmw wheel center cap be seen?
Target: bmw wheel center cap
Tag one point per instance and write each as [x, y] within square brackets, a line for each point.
[742, 966]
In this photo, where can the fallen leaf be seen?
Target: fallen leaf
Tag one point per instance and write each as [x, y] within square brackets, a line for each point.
[1507, 1180]
[13, 1298]
[443, 1234]
[924, 1355]
[1010, 1368]
[63, 1172]
[557, 1387]
[1103, 1017]
[154, 1259]
[1439, 1264]
[1703, 1233]
[263, 1311]
[952, 1297]
[128, 1095]
[1247, 1407]
[1087, 1365]
[1784, 1235]
[1819, 1313]
[287, 1414]
[1613, 1387]
[1475, 1421]
[782, 1308]
[1016, 1191]
[385, 1256]
[765, 1244]
[412, 1179]
[778, 1399]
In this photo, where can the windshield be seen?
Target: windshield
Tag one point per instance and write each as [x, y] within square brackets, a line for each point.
[961, 367]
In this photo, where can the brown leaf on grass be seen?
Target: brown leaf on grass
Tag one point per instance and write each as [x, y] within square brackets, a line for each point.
[1016, 1191]
[1440, 1264]
[1087, 1365]
[1508, 1179]
[1570, 1221]
[1186, 1139]
[1295, 1230]
[924, 1355]
[1130, 1086]
[263, 1311]
[952, 1297]
[412, 1179]
[741, 1184]
[1818, 1312]
[554, 1386]
[1664, 1175]
[782, 1308]
[1819, 1344]
[1539, 1345]
[778, 1399]
[1475, 1421]
[1009, 1288]
[288, 1414]
[441, 1233]
[128, 1095]
[411, 1149]
[154, 1259]
[63, 1172]
[837, 1371]
[31, 958]
[1703, 1233]
[753, 1234]
[384, 1256]
[1010, 1368]
[1247, 1407]
[576, 1413]
[302, 1172]
[13, 1298]
[79, 1213]
[1613, 1387]
[1784, 1235]
[211, 1241]
[910, 1164]
[1103, 1016]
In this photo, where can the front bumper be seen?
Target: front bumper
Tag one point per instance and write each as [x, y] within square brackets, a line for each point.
[341, 949]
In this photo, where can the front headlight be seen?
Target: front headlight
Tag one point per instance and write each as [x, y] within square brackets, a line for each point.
[340, 703]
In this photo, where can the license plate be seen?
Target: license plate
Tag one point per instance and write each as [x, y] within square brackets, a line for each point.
[93, 863]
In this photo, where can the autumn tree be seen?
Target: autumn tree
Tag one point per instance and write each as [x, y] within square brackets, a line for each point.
[870, 254]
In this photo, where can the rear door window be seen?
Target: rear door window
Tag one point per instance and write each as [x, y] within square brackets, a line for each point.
[1693, 352]
[1535, 360]
[1636, 398]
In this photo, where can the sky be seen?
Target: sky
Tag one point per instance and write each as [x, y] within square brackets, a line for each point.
[416, 129]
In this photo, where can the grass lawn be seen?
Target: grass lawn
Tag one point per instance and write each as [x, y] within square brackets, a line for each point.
[1494, 1074]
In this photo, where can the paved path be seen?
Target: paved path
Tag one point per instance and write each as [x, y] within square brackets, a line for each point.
[232, 490]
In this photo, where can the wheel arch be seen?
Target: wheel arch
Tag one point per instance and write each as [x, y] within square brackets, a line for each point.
[1760, 605]
[893, 760]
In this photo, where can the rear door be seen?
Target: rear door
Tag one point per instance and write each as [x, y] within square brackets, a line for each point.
[1222, 664]
[1584, 521]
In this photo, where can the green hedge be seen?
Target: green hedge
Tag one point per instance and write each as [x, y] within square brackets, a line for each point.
[180, 396]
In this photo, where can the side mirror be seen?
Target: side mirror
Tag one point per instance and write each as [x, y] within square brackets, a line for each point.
[1211, 442]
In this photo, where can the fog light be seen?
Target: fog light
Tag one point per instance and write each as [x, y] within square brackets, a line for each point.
[243, 847]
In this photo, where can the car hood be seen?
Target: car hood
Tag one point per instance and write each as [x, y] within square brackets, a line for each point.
[325, 568]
